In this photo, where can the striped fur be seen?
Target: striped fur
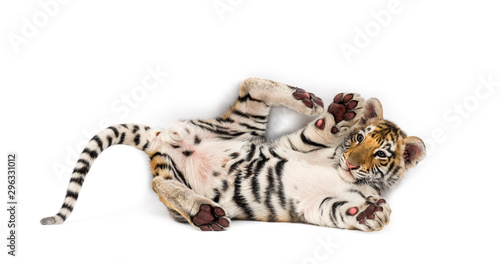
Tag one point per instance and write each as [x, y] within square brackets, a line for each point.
[210, 171]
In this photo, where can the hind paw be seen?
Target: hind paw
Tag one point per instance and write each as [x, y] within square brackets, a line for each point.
[210, 218]
[312, 103]
[309, 99]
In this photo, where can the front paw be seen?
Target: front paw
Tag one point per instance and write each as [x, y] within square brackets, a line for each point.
[371, 216]
[343, 113]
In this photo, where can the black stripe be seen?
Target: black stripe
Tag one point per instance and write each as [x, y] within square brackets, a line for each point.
[281, 189]
[251, 152]
[177, 173]
[82, 170]
[237, 134]
[158, 154]
[310, 142]
[84, 162]
[114, 130]
[212, 125]
[292, 212]
[110, 140]
[145, 146]
[248, 97]
[240, 200]
[260, 164]
[249, 169]
[77, 180]
[358, 192]
[136, 128]
[258, 134]
[275, 154]
[269, 192]
[217, 195]
[333, 215]
[234, 155]
[324, 201]
[227, 120]
[234, 166]
[187, 153]
[342, 218]
[179, 179]
[92, 153]
[71, 194]
[218, 131]
[137, 139]
[62, 216]
[98, 140]
[122, 138]
[67, 206]
[291, 145]
[256, 188]
[251, 127]
[124, 125]
[391, 167]
[162, 166]
[249, 116]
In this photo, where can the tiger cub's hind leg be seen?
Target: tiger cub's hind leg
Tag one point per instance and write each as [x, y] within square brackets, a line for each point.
[199, 211]
[257, 96]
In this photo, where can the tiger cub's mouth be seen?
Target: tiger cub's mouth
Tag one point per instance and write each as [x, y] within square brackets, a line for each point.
[345, 173]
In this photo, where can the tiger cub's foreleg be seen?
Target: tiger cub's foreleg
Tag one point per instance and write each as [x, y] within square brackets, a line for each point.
[362, 213]
[328, 130]
[199, 211]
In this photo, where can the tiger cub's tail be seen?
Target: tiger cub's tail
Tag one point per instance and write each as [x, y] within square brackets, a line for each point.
[127, 134]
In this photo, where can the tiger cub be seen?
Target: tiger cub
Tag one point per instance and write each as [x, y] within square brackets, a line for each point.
[329, 173]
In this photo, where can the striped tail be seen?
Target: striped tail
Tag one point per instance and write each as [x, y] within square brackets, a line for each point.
[126, 134]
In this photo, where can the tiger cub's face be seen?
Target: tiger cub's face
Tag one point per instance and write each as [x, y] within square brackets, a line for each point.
[378, 153]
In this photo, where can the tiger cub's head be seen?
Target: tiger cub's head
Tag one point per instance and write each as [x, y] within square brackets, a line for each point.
[378, 152]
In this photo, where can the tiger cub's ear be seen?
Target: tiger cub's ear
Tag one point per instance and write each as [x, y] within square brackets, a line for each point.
[372, 111]
[414, 151]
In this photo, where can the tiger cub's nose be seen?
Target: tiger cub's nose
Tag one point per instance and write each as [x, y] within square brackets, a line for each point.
[350, 166]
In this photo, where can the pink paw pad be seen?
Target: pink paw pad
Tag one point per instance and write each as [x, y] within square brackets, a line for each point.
[352, 211]
[320, 124]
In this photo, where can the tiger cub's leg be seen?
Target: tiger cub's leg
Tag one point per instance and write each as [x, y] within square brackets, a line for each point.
[362, 213]
[199, 211]
[250, 112]
[329, 129]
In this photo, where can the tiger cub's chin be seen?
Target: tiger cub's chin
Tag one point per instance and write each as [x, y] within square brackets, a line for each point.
[346, 175]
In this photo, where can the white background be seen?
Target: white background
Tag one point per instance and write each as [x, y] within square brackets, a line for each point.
[69, 76]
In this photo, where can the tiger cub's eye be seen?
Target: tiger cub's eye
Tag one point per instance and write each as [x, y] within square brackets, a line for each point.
[360, 138]
[380, 154]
